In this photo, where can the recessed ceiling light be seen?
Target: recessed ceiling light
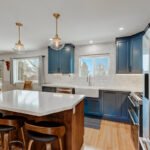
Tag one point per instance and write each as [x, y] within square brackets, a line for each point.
[91, 42]
[50, 39]
[121, 28]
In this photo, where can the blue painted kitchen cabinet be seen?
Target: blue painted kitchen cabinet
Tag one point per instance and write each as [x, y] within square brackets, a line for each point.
[93, 106]
[136, 53]
[111, 105]
[61, 61]
[122, 55]
[129, 54]
[115, 105]
[53, 61]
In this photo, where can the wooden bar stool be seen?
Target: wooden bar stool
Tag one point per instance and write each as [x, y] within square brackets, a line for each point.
[46, 132]
[8, 124]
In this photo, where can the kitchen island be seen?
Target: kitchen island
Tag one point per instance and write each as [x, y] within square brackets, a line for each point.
[43, 106]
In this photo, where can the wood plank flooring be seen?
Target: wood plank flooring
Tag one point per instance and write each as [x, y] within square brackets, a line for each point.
[111, 136]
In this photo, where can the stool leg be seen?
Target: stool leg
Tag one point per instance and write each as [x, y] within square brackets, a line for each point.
[30, 144]
[23, 138]
[2, 140]
[6, 141]
[48, 146]
[60, 144]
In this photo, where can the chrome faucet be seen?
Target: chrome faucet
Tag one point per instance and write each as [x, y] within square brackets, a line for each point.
[89, 79]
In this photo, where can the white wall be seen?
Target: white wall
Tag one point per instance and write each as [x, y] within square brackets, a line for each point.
[112, 79]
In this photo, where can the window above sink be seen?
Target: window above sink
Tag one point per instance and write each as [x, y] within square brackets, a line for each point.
[94, 65]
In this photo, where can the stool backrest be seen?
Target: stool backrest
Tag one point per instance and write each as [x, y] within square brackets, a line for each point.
[9, 122]
[27, 85]
[57, 131]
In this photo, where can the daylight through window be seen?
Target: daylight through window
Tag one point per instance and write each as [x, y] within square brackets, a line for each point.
[26, 68]
[94, 65]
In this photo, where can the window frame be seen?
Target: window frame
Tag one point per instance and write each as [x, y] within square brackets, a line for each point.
[15, 71]
[94, 56]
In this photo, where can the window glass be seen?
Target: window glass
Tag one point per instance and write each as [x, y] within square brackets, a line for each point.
[26, 69]
[86, 66]
[101, 66]
[94, 65]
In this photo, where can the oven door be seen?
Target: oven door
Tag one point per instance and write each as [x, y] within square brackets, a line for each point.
[133, 111]
[134, 115]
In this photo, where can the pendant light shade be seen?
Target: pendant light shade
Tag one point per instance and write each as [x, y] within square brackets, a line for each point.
[56, 42]
[19, 46]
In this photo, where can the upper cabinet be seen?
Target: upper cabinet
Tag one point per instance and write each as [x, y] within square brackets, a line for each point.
[122, 55]
[61, 61]
[129, 54]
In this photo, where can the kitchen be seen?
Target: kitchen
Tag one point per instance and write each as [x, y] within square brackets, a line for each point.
[99, 79]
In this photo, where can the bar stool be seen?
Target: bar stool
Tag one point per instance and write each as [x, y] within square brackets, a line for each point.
[8, 124]
[45, 132]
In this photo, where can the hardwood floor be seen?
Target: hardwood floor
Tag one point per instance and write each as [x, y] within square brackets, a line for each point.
[111, 136]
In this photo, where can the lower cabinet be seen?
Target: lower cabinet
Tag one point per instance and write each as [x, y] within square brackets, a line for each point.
[115, 105]
[110, 105]
[48, 89]
[92, 106]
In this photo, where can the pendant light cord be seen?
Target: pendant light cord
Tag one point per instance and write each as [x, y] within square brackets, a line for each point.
[19, 32]
[56, 27]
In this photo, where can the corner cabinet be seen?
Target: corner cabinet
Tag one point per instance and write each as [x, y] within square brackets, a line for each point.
[115, 105]
[129, 54]
[61, 61]
[136, 53]
[110, 105]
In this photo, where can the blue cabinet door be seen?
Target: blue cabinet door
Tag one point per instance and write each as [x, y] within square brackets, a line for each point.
[122, 54]
[67, 59]
[92, 106]
[123, 98]
[136, 54]
[53, 61]
[111, 107]
[61, 61]
[115, 104]
[129, 54]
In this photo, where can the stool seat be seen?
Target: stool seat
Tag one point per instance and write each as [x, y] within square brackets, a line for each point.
[1, 115]
[41, 137]
[4, 128]
[10, 123]
[13, 117]
[45, 132]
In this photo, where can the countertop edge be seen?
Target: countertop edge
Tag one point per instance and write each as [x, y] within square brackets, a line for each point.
[92, 88]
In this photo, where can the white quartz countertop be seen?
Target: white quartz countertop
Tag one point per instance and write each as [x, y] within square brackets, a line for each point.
[37, 103]
[108, 88]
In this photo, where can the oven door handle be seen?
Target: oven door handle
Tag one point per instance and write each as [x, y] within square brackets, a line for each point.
[132, 118]
[131, 101]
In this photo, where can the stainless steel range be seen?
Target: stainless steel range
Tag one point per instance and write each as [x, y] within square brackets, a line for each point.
[135, 112]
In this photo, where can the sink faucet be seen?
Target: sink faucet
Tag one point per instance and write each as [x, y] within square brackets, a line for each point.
[89, 79]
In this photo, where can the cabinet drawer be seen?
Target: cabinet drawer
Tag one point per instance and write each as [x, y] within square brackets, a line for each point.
[48, 89]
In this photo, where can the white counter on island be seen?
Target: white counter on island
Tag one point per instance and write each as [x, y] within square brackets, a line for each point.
[37, 103]
[47, 106]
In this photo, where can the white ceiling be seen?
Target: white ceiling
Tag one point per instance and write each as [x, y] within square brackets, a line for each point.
[81, 20]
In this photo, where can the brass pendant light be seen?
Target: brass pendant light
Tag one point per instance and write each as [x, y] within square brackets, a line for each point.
[19, 46]
[56, 42]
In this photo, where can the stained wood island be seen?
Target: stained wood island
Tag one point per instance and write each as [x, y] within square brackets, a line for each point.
[46, 106]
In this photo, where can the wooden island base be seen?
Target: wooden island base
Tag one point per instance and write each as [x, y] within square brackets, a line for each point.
[72, 119]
